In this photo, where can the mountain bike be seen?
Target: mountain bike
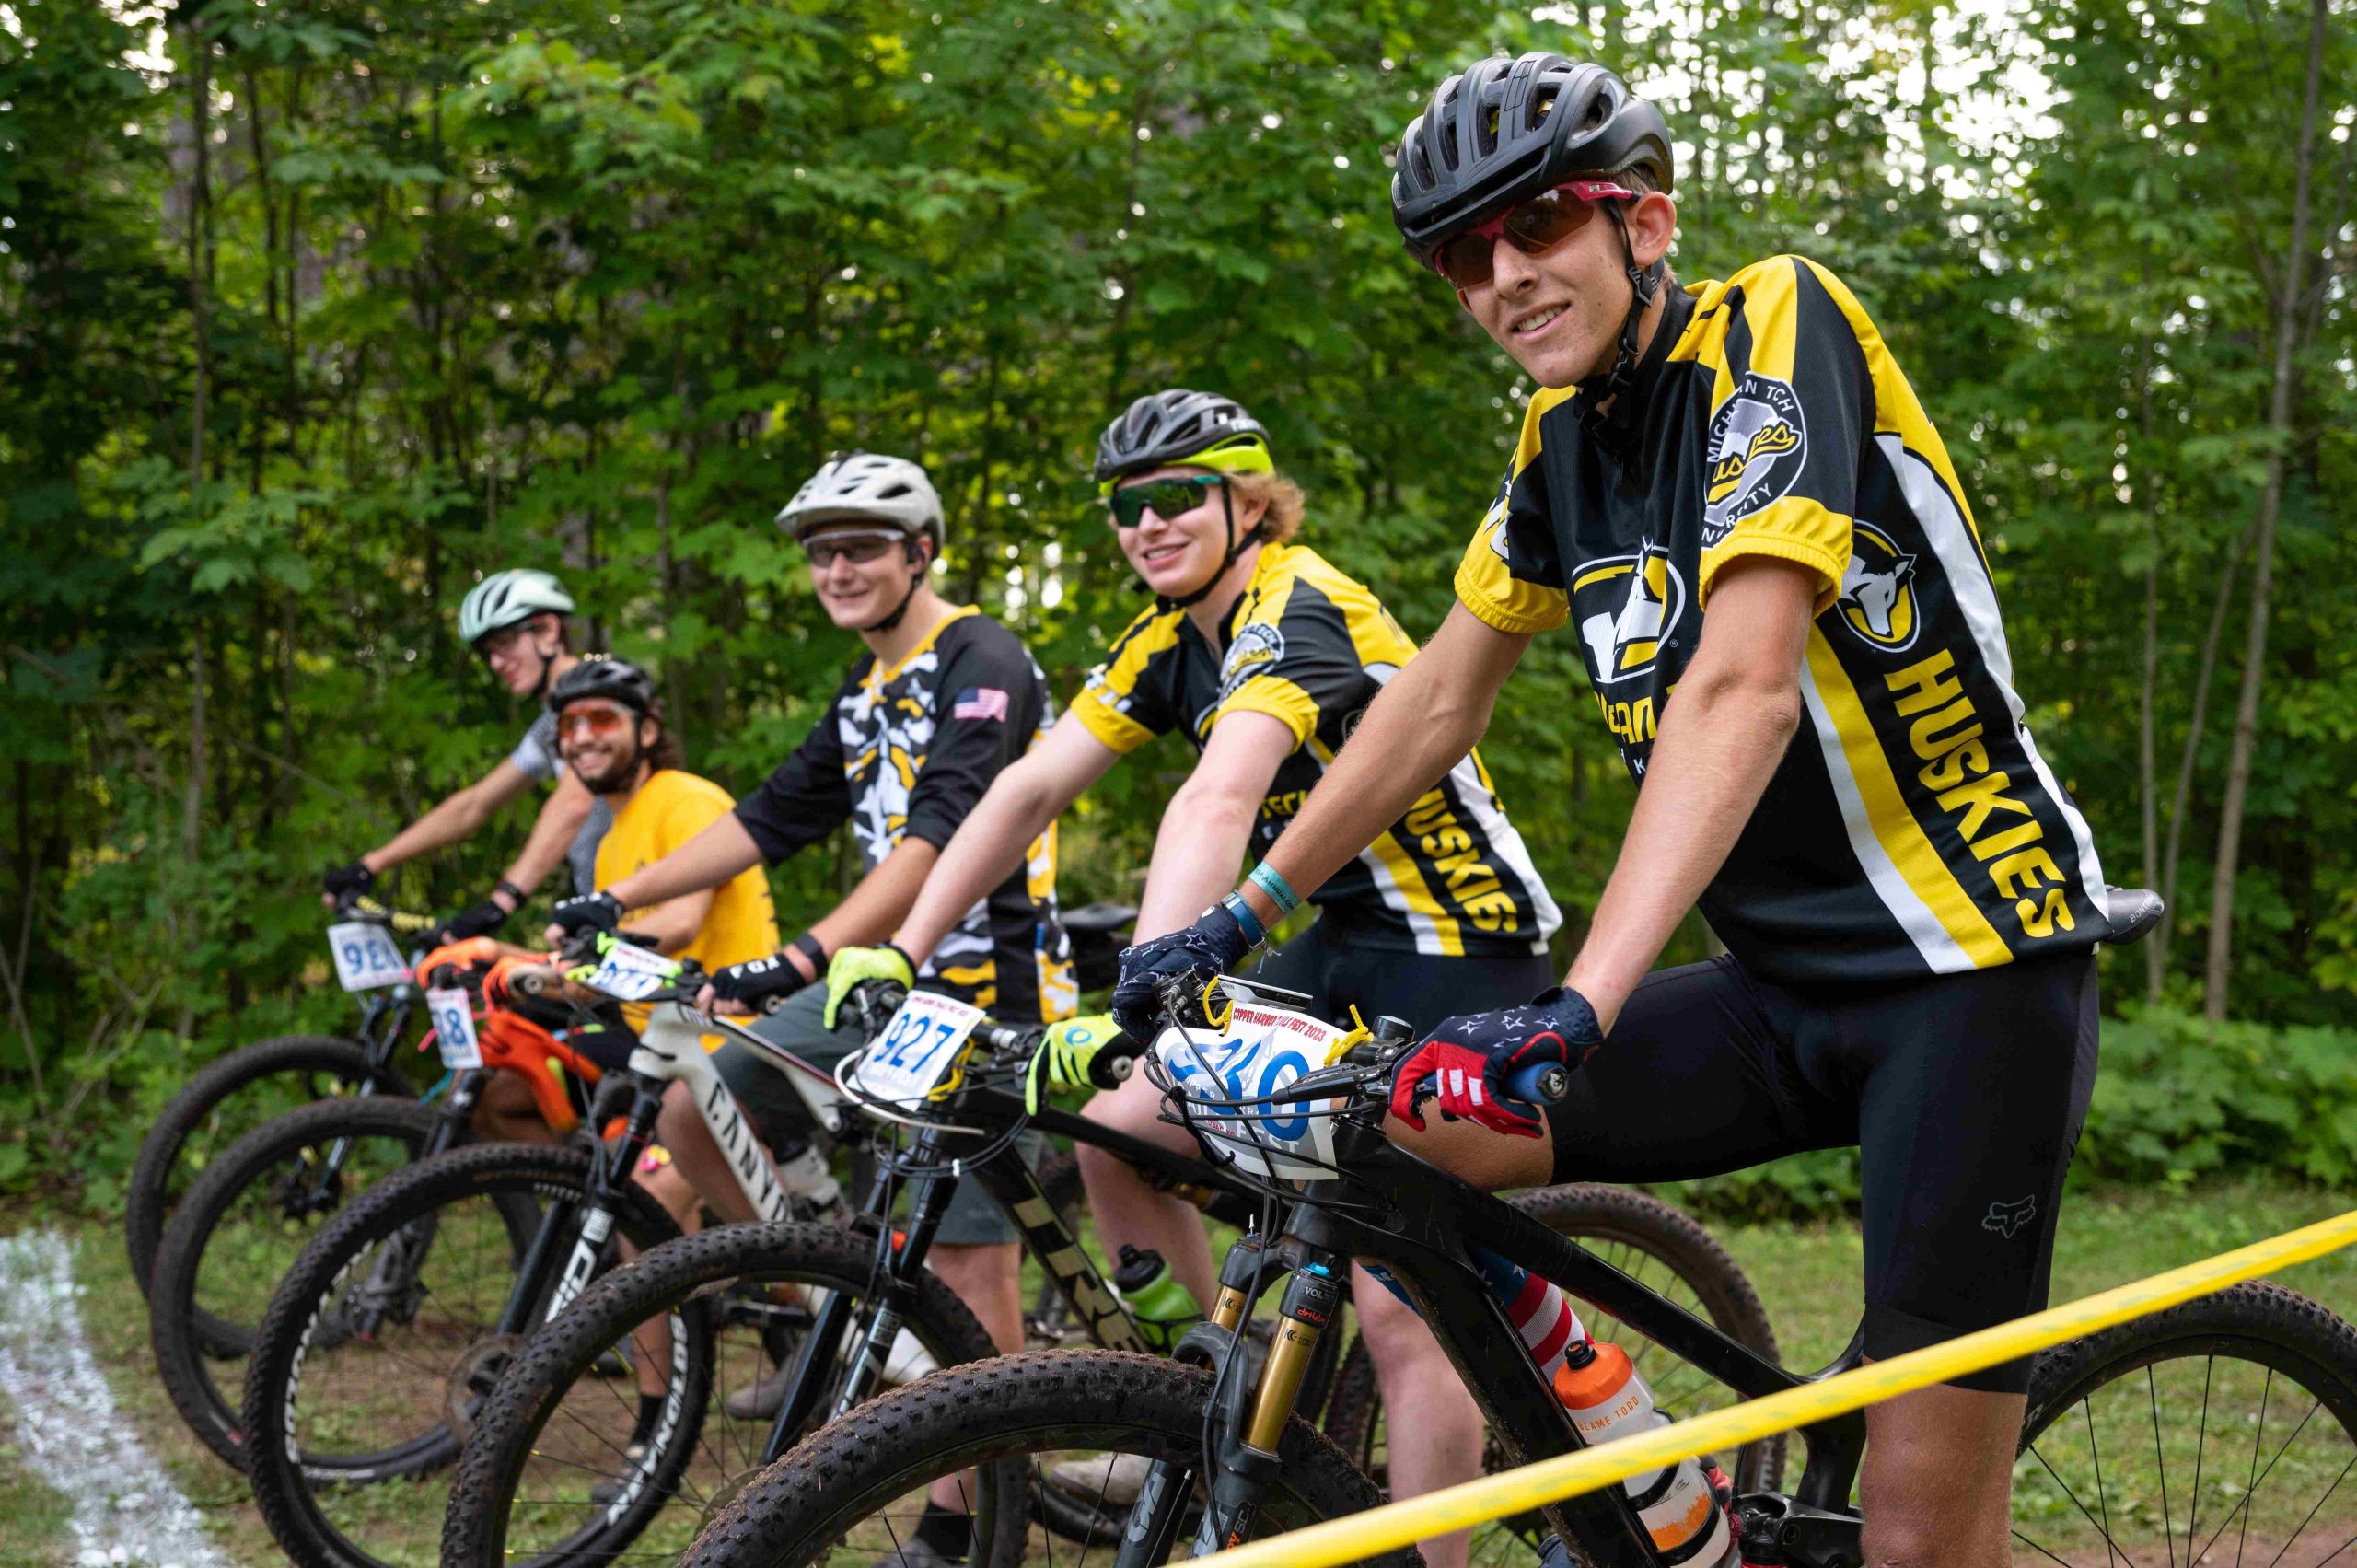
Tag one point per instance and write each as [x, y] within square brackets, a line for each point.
[2259, 1385]
[235, 1093]
[239, 1228]
[380, 1342]
[555, 1446]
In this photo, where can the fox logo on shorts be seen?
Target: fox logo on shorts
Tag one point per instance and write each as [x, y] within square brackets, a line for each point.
[2010, 1220]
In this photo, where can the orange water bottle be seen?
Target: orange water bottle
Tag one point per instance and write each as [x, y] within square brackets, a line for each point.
[1609, 1401]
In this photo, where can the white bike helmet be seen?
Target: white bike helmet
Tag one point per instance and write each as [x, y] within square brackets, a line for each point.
[867, 487]
[509, 598]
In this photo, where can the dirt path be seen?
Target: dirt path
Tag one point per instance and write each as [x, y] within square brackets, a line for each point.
[126, 1509]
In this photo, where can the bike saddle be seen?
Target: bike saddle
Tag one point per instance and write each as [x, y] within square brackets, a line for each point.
[2133, 912]
[1101, 919]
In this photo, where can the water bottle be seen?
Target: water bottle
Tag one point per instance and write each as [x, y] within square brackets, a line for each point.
[1164, 1308]
[1609, 1401]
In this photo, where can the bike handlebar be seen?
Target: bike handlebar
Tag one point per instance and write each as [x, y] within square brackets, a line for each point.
[360, 906]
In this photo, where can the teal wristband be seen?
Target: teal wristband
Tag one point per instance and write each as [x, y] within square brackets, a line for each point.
[1265, 878]
[1254, 932]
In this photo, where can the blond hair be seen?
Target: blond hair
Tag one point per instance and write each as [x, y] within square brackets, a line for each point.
[1284, 499]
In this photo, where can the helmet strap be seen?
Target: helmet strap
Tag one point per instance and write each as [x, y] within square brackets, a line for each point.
[900, 610]
[1644, 283]
[1236, 547]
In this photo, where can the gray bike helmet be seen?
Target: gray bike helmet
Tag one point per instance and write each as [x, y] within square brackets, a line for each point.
[509, 598]
[602, 674]
[1501, 131]
[865, 487]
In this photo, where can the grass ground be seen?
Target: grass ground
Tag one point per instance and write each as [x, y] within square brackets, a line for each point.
[1806, 1275]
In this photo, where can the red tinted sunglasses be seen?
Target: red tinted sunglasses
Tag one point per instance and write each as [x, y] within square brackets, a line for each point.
[1535, 227]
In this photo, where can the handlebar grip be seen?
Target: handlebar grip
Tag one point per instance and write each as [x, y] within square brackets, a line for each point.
[1541, 1083]
[1114, 1065]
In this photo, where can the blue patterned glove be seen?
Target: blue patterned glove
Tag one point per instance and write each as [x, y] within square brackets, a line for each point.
[1188, 959]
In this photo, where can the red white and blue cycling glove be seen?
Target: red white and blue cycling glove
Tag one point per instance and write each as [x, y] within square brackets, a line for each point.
[1466, 1062]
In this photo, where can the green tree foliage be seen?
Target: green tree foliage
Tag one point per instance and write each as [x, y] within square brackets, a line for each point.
[469, 283]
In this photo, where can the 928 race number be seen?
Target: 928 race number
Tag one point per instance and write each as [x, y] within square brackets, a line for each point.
[365, 956]
[918, 1050]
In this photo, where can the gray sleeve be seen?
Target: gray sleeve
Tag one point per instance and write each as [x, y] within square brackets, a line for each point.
[535, 755]
[583, 856]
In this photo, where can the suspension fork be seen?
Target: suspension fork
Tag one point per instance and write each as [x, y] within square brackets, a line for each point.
[588, 1221]
[394, 1273]
[1156, 1517]
[899, 1260]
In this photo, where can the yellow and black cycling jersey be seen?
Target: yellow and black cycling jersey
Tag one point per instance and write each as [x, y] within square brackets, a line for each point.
[910, 748]
[1311, 647]
[1912, 827]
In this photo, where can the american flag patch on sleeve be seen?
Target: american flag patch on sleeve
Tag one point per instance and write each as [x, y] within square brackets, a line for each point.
[980, 702]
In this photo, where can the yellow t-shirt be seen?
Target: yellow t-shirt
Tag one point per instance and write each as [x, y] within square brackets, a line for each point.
[670, 809]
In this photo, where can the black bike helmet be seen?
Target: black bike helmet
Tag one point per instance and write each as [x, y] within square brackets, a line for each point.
[1202, 429]
[1503, 132]
[1180, 426]
[602, 675]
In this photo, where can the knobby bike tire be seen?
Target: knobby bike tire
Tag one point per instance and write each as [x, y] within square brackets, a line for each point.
[2267, 1381]
[187, 1338]
[150, 1198]
[287, 1489]
[679, 1278]
[1593, 1211]
[988, 1414]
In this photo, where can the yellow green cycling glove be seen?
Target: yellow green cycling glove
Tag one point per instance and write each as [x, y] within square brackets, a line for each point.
[855, 966]
[1068, 1057]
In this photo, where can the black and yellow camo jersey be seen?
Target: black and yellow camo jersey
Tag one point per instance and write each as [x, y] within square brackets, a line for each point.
[1912, 827]
[1310, 648]
[908, 749]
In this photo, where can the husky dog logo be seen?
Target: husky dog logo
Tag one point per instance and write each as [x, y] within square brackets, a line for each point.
[2010, 1220]
[1878, 589]
[1258, 645]
[1625, 606]
[1758, 442]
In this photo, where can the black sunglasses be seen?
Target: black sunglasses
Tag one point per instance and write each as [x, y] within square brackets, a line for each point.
[1166, 498]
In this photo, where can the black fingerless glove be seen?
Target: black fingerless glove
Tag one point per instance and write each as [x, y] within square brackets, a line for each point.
[477, 920]
[343, 881]
[756, 981]
[587, 912]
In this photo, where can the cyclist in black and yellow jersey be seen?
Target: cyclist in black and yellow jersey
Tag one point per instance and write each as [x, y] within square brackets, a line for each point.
[1731, 494]
[1264, 657]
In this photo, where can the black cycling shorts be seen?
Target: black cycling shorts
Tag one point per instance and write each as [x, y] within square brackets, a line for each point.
[1328, 963]
[1964, 1095]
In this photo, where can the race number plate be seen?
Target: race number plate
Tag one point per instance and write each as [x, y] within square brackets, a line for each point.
[365, 956]
[454, 1028]
[918, 1050]
[631, 974]
[1262, 1050]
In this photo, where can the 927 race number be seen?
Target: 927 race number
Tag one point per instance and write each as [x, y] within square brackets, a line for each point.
[919, 1048]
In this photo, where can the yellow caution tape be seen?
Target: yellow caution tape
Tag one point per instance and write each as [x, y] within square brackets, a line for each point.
[1568, 1475]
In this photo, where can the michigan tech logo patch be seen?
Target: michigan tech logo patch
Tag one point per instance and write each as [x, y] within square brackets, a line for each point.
[1758, 442]
[1258, 647]
[1878, 589]
[1625, 606]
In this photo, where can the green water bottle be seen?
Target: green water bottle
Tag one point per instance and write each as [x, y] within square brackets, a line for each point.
[1164, 1308]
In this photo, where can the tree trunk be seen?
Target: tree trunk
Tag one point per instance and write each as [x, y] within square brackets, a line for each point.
[2262, 578]
[2196, 723]
[2148, 784]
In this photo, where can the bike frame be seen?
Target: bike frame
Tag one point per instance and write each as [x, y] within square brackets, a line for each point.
[1009, 1179]
[1425, 1224]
